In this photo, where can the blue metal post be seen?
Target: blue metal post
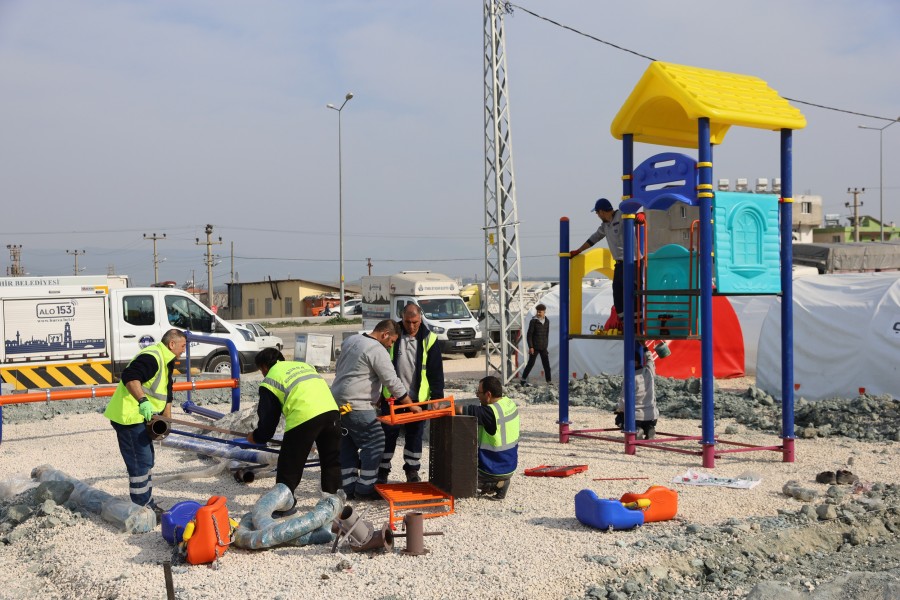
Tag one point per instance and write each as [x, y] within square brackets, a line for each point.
[707, 376]
[235, 367]
[787, 298]
[564, 262]
[628, 295]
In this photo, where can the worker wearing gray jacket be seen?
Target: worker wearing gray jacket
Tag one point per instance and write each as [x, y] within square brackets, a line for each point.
[363, 367]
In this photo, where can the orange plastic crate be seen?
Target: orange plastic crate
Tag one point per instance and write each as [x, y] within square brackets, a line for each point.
[399, 415]
[415, 497]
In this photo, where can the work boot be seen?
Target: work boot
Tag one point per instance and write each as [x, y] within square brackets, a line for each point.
[382, 476]
[413, 477]
[502, 488]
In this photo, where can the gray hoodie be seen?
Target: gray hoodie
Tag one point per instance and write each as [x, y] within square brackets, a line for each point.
[362, 368]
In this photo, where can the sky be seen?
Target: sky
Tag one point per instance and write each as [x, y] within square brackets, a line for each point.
[120, 119]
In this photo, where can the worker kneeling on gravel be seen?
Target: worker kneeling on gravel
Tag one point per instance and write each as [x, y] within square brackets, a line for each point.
[297, 391]
[144, 390]
[498, 437]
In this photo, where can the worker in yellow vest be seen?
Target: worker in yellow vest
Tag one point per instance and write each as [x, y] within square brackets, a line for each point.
[294, 389]
[417, 359]
[498, 437]
[145, 389]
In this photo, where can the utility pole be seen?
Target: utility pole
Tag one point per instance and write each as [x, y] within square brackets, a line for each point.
[156, 260]
[209, 263]
[15, 257]
[369, 264]
[76, 254]
[856, 204]
[502, 263]
[231, 314]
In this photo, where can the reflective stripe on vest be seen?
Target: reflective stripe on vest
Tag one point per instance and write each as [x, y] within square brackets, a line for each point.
[424, 387]
[498, 454]
[507, 434]
[301, 391]
[123, 407]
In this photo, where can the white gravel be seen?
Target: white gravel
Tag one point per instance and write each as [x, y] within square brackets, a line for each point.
[527, 546]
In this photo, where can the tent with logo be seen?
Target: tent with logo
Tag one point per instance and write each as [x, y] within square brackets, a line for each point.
[846, 337]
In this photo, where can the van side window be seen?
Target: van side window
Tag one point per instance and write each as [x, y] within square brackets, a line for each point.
[399, 311]
[138, 310]
[184, 313]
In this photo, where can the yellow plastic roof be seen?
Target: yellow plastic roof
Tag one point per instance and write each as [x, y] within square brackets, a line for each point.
[665, 104]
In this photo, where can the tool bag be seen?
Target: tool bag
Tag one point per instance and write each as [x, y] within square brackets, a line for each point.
[207, 537]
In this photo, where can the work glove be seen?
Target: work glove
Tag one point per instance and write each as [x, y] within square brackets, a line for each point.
[146, 409]
[574, 253]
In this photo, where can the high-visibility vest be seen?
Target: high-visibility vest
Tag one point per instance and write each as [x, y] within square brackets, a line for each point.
[498, 453]
[123, 407]
[301, 391]
[424, 388]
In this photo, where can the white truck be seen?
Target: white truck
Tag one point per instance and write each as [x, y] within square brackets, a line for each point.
[83, 330]
[443, 311]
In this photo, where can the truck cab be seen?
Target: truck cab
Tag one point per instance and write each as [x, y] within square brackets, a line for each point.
[141, 315]
[444, 312]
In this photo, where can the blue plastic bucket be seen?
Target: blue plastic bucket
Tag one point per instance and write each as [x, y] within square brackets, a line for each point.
[175, 519]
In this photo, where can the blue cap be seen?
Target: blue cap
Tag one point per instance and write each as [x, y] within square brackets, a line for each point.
[602, 204]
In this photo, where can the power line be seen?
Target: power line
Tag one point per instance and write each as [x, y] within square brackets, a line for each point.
[636, 53]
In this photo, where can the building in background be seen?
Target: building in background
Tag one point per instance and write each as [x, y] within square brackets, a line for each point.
[279, 298]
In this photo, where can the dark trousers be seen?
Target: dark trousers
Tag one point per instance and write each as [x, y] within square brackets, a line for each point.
[545, 361]
[412, 446]
[137, 451]
[618, 288]
[325, 431]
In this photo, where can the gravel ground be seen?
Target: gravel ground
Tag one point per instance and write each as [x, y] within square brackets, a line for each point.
[789, 537]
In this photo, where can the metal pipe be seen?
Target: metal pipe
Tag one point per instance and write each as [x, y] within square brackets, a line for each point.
[565, 262]
[415, 544]
[220, 449]
[379, 541]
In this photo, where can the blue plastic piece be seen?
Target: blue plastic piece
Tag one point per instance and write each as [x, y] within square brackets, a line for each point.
[661, 181]
[604, 514]
[748, 252]
[175, 519]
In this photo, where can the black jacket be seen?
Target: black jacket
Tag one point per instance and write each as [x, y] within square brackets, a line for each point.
[538, 335]
[434, 368]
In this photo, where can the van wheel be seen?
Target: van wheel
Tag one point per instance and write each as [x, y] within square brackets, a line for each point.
[471, 354]
[220, 364]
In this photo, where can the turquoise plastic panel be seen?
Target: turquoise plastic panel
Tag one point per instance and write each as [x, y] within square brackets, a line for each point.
[747, 253]
[669, 268]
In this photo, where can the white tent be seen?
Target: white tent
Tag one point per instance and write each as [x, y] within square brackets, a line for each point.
[846, 337]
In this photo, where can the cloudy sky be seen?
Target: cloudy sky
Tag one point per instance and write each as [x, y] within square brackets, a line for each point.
[124, 118]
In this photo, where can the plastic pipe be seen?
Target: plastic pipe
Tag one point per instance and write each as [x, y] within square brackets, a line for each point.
[198, 474]
[259, 530]
[124, 514]
[221, 450]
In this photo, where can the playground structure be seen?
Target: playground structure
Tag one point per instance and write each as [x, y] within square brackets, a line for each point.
[669, 294]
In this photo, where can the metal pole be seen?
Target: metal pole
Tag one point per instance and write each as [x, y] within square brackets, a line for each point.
[341, 196]
[880, 131]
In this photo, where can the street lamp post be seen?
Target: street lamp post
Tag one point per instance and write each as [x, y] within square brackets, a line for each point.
[341, 195]
[880, 131]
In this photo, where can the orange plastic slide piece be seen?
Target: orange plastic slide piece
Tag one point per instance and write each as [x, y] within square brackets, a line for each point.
[415, 497]
[211, 533]
[663, 503]
[430, 410]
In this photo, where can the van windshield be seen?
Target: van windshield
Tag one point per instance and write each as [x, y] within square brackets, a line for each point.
[444, 308]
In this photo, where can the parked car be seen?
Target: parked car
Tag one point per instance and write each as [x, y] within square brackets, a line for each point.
[352, 307]
[263, 337]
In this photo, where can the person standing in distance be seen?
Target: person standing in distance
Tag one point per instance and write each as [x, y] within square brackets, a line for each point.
[297, 391]
[145, 389]
[417, 359]
[611, 229]
[538, 339]
[363, 367]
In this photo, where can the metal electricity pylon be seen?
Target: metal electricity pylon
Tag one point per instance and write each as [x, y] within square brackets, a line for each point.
[502, 267]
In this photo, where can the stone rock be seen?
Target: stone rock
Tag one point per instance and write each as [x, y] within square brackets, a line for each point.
[18, 513]
[826, 512]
